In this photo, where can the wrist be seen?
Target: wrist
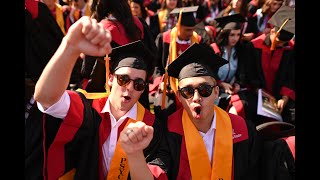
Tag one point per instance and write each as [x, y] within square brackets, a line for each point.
[70, 48]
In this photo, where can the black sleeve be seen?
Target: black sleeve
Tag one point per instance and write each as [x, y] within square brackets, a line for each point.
[277, 161]
[154, 26]
[159, 68]
[252, 63]
[254, 153]
[157, 152]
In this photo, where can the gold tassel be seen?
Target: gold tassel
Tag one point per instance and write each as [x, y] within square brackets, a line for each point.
[274, 40]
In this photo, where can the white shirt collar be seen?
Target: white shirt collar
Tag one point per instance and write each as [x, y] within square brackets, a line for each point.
[132, 113]
[182, 41]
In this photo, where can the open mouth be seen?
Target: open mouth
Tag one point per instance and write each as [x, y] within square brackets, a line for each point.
[197, 110]
[127, 98]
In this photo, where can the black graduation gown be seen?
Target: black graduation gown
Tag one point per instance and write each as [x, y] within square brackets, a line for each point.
[284, 77]
[246, 149]
[76, 141]
[42, 38]
[277, 162]
[93, 68]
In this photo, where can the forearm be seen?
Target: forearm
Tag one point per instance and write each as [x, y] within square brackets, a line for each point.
[55, 77]
[138, 167]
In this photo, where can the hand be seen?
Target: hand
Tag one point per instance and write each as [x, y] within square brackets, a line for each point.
[282, 102]
[136, 137]
[89, 37]
[227, 87]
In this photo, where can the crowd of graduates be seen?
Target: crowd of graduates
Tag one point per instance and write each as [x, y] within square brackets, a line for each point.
[216, 54]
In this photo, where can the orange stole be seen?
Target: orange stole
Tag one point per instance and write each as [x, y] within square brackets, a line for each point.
[59, 17]
[200, 165]
[119, 168]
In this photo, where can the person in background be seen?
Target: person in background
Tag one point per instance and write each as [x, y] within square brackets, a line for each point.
[170, 45]
[205, 141]
[272, 65]
[212, 7]
[116, 16]
[263, 15]
[138, 9]
[91, 138]
[232, 77]
[42, 38]
[253, 5]
[59, 13]
[78, 9]
[241, 7]
[166, 19]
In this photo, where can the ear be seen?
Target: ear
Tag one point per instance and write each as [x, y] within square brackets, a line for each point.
[216, 91]
[110, 80]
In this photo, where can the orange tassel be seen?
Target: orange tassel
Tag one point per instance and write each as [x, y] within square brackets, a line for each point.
[274, 40]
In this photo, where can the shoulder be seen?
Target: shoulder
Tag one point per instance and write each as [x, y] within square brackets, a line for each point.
[148, 118]
[166, 36]
[239, 128]
[175, 123]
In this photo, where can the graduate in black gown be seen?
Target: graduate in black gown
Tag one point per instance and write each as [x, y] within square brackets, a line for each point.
[272, 67]
[125, 28]
[205, 141]
[42, 38]
[109, 137]
[171, 44]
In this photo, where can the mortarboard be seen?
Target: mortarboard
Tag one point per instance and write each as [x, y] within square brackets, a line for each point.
[135, 55]
[196, 60]
[284, 20]
[233, 21]
[188, 17]
[275, 129]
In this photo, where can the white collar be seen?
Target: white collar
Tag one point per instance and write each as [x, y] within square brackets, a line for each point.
[132, 113]
[183, 41]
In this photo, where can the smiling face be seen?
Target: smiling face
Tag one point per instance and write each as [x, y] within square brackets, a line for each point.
[197, 102]
[122, 98]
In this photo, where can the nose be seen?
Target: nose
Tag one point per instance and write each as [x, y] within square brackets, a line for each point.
[196, 96]
[130, 85]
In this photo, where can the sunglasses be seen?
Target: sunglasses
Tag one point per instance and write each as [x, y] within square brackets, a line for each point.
[205, 90]
[124, 80]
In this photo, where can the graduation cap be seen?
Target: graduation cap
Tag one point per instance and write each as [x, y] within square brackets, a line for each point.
[284, 21]
[196, 60]
[135, 55]
[233, 21]
[187, 15]
[275, 130]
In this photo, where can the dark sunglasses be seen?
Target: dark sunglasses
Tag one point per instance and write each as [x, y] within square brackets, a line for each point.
[138, 84]
[205, 90]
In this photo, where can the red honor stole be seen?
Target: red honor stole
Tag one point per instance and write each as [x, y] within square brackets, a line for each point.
[200, 165]
[119, 168]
